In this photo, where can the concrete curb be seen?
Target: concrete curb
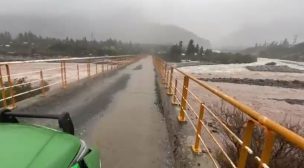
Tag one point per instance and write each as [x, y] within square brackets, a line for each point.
[181, 135]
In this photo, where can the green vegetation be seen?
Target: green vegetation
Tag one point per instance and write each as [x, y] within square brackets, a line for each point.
[227, 58]
[283, 50]
[175, 53]
[22, 86]
[284, 154]
[197, 53]
[29, 44]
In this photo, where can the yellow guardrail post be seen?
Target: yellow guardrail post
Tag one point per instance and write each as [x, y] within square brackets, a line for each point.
[196, 148]
[167, 79]
[61, 72]
[96, 68]
[164, 73]
[170, 82]
[246, 143]
[2, 90]
[267, 147]
[181, 116]
[89, 69]
[11, 90]
[77, 72]
[65, 78]
[162, 69]
[42, 83]
[174, 94]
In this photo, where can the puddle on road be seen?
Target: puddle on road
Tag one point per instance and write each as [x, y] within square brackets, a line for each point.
[99, 103]
[138, 67]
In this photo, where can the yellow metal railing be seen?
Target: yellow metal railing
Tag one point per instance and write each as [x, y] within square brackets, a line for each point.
[177, 83]
[53, 72]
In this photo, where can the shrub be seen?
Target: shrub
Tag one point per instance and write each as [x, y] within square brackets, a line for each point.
[284, 154]
[228, 58]
[21, 89]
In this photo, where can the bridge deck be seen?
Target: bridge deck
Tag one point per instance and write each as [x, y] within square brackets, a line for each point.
[118, 115]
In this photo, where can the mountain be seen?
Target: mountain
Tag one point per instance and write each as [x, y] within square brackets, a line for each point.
[249, 35]
[124, 29]
[276, 50]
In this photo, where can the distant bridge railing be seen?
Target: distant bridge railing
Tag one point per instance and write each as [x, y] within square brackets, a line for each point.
[192, 95]
[22, 79]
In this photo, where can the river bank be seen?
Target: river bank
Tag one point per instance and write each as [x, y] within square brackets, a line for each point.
[277, 95]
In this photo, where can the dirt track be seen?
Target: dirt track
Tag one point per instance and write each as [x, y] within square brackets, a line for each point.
[117, 114]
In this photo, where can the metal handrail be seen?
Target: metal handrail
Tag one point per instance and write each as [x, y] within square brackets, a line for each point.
[8, 77]
[64, 59]
[286, 133]
[166, 73]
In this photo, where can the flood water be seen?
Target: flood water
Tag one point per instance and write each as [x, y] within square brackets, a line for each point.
[230, 68]
[270, 101]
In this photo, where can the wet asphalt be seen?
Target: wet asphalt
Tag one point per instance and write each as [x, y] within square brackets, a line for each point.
[116, 114]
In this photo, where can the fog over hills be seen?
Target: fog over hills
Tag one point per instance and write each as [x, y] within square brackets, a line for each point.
[226, 23]
[125, 29]
[291, 29]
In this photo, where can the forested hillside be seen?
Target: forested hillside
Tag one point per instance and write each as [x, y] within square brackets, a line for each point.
[283, 50]
[29, 44]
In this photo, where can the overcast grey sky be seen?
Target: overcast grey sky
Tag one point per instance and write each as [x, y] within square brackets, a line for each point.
[220, 21]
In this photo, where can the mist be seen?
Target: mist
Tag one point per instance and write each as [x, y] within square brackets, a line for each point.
[225, 23]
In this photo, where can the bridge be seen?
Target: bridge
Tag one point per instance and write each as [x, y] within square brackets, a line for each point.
[141, 111]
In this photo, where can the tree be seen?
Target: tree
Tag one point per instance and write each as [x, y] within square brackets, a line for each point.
[201, 51]
[197, 49]
[208, 52]
[190, 50]
[180, 47]
[175, 53]
[5, 37]
[285, 43]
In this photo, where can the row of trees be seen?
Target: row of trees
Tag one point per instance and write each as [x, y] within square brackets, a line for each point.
[284, 43]
[280, 50]
[197, 53]
[192, 52]
[30, 44]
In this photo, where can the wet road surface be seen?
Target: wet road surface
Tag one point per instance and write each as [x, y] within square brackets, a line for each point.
[116, 114]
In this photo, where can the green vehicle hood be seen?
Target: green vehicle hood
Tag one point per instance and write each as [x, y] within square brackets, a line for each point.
[28, 146]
